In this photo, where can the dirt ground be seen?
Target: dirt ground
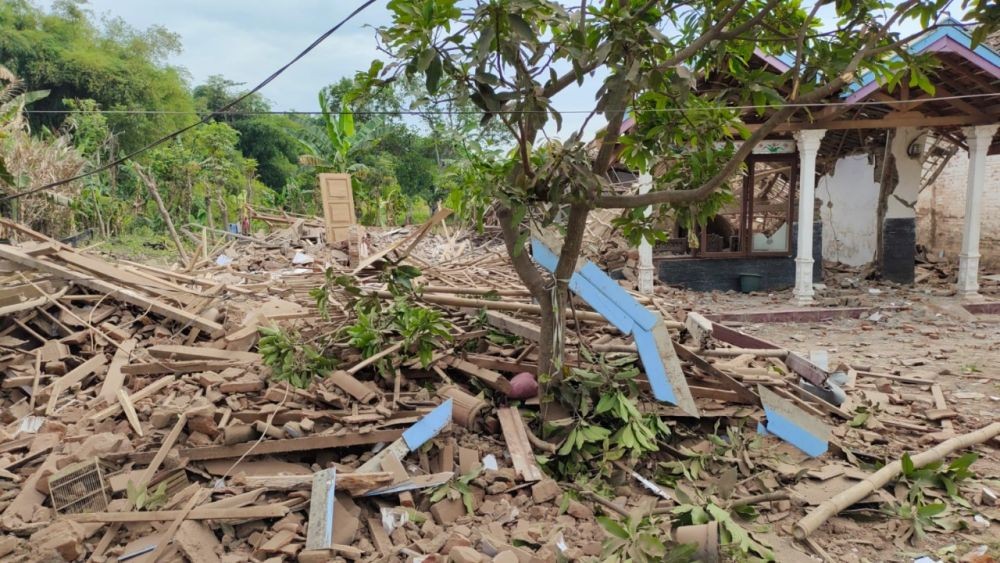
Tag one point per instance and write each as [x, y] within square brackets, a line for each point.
[921, 331]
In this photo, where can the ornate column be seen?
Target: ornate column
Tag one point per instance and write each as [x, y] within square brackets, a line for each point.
[808, 141]
[645, 249]
[978, 139]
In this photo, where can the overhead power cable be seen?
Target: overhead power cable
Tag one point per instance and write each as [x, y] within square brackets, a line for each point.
[564, 112]
[201, 121]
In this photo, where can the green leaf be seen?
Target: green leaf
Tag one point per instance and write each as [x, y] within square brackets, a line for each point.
[521, 27]
[963, 463]
[929, 510]
[651, 545]
[434, 71]
[907, 464]
[612, 527]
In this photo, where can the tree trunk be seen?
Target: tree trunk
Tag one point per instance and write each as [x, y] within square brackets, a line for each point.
[552, 295]
[155, 193]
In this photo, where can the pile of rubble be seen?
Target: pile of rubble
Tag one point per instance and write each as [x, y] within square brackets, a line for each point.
[144, 420]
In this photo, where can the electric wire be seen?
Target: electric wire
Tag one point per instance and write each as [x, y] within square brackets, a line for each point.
[479, 112]
[205, 119]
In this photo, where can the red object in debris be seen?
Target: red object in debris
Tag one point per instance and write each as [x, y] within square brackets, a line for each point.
[523, 386]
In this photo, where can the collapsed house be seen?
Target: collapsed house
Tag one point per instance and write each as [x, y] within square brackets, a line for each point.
[148, 413]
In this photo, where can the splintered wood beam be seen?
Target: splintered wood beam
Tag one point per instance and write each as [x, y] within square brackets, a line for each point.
[281, 446]
[518, 445]
[490, 378]
[129, 296]
[245, 513]
[354, 483]
[78, 374]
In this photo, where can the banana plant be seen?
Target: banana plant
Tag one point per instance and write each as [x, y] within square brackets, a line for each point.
[12, 103]
[341, 137]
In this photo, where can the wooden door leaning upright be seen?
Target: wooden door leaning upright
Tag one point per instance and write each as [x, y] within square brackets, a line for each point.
[338, 205]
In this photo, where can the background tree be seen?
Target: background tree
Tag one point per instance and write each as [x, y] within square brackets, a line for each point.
[110, 62]
[267, 138]
[511, 57]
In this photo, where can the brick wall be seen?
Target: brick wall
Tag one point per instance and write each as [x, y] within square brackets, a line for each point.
[941, 210]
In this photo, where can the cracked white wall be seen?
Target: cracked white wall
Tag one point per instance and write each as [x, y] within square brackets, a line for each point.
[847, 208]
[849, 201]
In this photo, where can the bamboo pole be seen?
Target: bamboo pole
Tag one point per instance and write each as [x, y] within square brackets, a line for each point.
[880, 478]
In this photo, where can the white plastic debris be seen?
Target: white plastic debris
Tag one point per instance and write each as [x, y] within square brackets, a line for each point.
[30, 424]
[490, 462]
[980, 522]
[223, 260]
[393, 518]
[561, 543]
[302, 258]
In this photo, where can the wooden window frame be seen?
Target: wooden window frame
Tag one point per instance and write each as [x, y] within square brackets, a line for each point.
[746, 212]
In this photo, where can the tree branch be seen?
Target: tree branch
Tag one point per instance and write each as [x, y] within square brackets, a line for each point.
[523, 264]
[781, 115]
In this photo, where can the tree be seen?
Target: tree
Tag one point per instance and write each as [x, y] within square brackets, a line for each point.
[268, 139]
[662, 60]
[110, 62]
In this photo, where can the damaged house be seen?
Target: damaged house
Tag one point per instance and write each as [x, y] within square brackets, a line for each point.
[871, 174]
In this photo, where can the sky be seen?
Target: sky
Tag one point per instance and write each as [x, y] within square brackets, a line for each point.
[246, 41]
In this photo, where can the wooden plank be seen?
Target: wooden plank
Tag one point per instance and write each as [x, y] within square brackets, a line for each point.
[517, 327]
[380, 538]
[940, 404]
[171, 367]
[161, 454]
[180, 352]
[245, 513]
[490, 378]
[746, 395]
[518, 445]
[75, 376]
[814, 315]
[168, 536]
[395, 468]
[129, 409]
[281, 446]
[412, 239]
[147, 391]
[319, 534]
[114, 291]
[354, 483]
[114, 379]
[109, 271]
[501, 364]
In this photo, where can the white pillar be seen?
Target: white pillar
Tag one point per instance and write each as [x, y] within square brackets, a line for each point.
[645, 249]
[978, 138]
[808, 141]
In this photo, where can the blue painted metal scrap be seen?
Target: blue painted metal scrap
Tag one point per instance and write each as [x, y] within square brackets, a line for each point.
[604, 295]
[794, 425]
[429, 426]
